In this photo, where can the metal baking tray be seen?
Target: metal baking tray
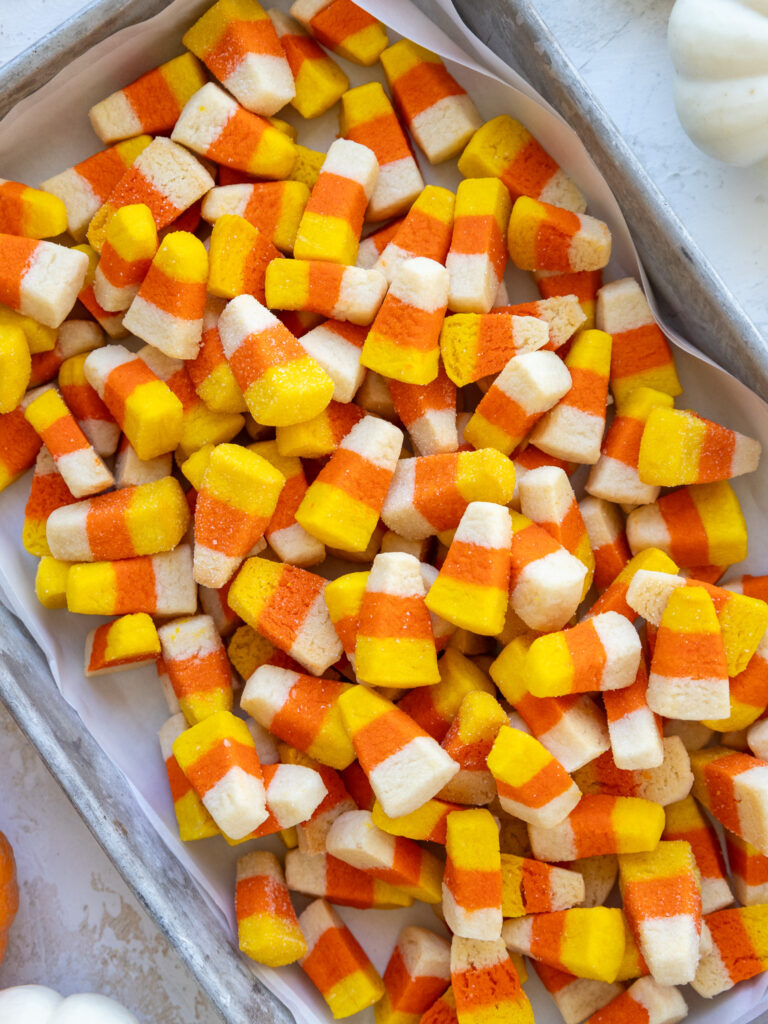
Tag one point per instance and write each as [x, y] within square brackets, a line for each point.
[96, 787]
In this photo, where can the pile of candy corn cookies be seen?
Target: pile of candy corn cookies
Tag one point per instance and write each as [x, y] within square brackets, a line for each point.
[227, 357]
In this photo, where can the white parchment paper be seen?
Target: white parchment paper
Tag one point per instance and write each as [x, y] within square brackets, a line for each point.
[50, 131]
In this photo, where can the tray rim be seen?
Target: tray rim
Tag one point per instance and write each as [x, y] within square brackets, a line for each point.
[66, 747]
[103, 797]
[673, 261]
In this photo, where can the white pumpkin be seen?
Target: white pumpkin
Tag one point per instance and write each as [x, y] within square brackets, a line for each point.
[35, 1004]
[719, 49]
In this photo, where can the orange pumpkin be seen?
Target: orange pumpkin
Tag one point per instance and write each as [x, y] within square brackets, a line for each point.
[9, 892]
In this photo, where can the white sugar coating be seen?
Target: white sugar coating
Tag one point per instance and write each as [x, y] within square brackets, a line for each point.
[237, 803]
[317, 645]
[548, 815]
[312, 834]
[582, 997]
[569, 433]
[367, 253]
[397, 187]
[66, 531]
[548, 590]
[406, 780]
[561, 191]
[114, 118]
[398, 511]
[360, 295]
[391, 259]
[78, 336]
[204, 117]
[562, 313]
[648, 593]
[422, 283]
[712, 975]
[579, 737]
[242, 316]
[435, 432]
[748, 889]
[294, 794]
[378, 441]
[670, 947]
[195, 637]
[284, 24]
[84, 472]
[529, 334]
[746, 455]
[266, 692]
[175, 588]
[354, 839]
[175, 336]
[623, 650]
[348, 159]
[485, 524]
[473, 282]
[160, 363]
[445, 127]
[170, 731]
[617, 482]
[567, 888]
[259, 862]
[392, 541]
[225, 199]
[636, 741]
[79, 198]
[546, 495]
[305, 10]
[213, 569]
[622, 306]
[262, 82]
[604, 522]
[694, 699]
[424, 953]
[757, 739]
[517, 934]
[716, 895]
[101, 362]
[130, 470]
[174, 172]
[535, 380]
[113, 298]
[293, 544]
[663, 1003]
[483, 924]
[315, 920]
[590, 247]
[306, 872]
[50, 282]
[338, 357]
[396, 573]
[476, 954]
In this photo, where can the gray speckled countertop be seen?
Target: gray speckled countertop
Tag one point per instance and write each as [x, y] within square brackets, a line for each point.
[79, 929]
